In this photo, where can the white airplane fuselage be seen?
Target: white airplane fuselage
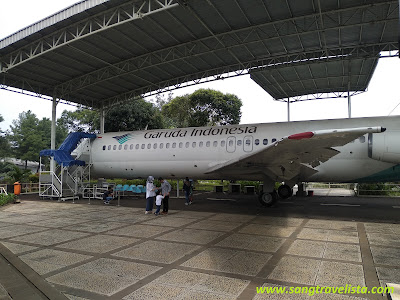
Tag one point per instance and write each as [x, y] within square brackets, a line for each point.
[181, 152]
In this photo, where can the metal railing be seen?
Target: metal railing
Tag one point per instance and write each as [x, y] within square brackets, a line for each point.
[26, 188]
[3, 191]
[328, 185]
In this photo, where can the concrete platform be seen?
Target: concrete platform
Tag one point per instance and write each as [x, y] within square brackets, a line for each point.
[209, 250]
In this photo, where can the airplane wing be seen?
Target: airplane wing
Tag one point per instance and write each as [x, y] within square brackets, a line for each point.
[293, 156]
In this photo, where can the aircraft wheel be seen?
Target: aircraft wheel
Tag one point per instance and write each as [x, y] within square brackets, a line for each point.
[285, 191]
[268, 199]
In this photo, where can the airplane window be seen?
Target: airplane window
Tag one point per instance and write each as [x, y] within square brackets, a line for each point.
[215, 143]
[109, 147]
[131, 147]
[248, 142]
[194, 144]
[222, 143]
[362, 139]
[167, 145]
[173, 145]
[143, 146]
[239, 142]
[161, 145]
[187, 144]
[265, 141]
[137, 146]
[104, 148]
[273, 140]
[257, 141]
[119, 147]
[208, 144]
[155, 146]
[148, 146]
[126, 147]
[201, 144]
[230, 143]
[115, 147]
[180, 145]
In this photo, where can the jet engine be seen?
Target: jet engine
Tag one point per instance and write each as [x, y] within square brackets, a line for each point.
[384, 147]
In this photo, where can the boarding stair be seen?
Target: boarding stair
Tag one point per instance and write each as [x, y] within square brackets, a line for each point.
[68, 177]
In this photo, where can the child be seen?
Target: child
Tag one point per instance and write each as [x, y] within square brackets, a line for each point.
[159, 199]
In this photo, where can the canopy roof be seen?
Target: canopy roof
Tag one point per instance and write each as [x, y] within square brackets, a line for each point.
[316, 78]
[99, 52]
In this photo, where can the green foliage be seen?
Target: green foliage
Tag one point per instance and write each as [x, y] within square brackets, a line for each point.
[379, 189]
[5, 167]
[4, 143]
[210, 108]
[137, 114]
[5, 199]
[205, 107]
[177, 111]
[17, 174]
[80, 120]
[31, 135]
[34, 178]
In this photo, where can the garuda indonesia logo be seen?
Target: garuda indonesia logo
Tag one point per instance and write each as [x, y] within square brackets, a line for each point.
[123, 138]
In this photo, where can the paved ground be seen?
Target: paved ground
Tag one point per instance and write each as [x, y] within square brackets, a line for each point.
[221, 247]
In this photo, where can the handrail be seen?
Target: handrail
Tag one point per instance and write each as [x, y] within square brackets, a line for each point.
[3, 191]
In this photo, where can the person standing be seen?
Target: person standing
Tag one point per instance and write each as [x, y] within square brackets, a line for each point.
[150, 194]
[165, 190]
[159, 199]
[187, 188]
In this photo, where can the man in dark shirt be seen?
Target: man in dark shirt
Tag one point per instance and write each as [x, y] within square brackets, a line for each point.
[108, 195]
[165, 190]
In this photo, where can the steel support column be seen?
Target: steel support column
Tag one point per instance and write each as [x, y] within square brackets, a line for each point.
[102, 119]
[53, 131]
[349, 103]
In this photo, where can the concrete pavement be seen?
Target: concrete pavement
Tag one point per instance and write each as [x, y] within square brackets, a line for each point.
[81, 251]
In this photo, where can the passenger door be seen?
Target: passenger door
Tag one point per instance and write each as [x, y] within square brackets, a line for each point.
[231, 144]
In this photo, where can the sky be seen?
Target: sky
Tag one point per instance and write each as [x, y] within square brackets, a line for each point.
[381, 98]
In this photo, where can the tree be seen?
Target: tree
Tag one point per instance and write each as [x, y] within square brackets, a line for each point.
[16, 174]
[29, 136]
[205, 107]
[210, 108]
[4, 144]
[177, 111]
[137, 114]
[134, 115]
[82, 120]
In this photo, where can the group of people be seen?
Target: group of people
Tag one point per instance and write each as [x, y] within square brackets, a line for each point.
[161, 195]
[158, 194]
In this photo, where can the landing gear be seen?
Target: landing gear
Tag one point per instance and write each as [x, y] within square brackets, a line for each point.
[285, 191]
[268, 199]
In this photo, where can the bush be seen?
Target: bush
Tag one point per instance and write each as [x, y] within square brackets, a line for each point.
[34, 178]
[5, 199]
[379, 189]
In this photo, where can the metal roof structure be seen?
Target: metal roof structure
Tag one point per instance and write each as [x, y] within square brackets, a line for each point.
[98, 53]
[317, 79]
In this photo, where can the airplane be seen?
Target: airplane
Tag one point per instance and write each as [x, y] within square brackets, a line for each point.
[338, 150]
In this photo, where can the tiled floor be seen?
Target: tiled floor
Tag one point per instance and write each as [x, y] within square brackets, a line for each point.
[106, 252]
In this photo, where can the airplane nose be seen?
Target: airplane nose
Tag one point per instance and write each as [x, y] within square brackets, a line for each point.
[383, 129]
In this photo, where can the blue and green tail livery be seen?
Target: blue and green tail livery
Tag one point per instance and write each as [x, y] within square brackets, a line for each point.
[123, 138]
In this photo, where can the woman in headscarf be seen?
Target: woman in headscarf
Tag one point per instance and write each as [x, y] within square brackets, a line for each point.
[150, 194]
